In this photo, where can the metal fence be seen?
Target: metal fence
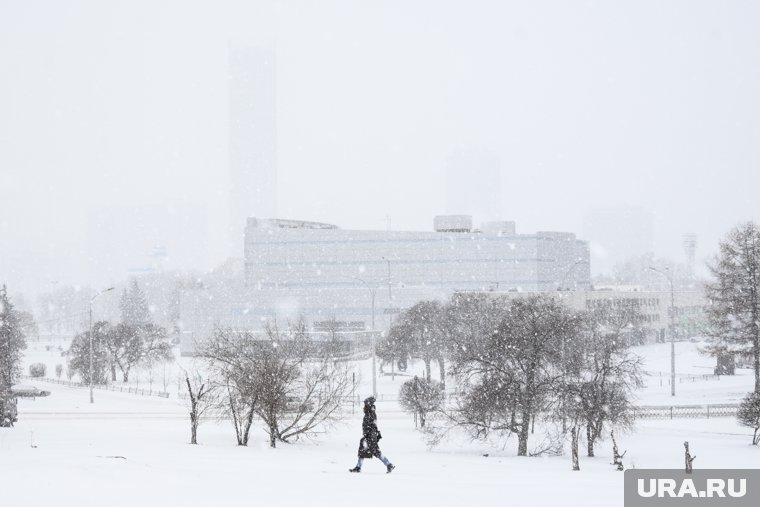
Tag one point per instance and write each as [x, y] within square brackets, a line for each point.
[685, 411]
[107, 387]
[707, 411]
[682, 378]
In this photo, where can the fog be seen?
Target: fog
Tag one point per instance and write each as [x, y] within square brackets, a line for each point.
[109, 107]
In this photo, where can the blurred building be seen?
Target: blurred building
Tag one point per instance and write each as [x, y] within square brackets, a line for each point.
[126, 241]
[363, 278]
[654, 308]
[253, 138]
[617, 234]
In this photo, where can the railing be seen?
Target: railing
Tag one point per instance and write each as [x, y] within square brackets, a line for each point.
[686, 411]
[706, 411]
[682, 377]
[106, 387]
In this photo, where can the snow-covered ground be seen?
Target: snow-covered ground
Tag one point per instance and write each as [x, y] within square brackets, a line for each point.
[132, 450]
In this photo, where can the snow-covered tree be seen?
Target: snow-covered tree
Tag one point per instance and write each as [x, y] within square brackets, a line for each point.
[608, 371]
[12, 341]
[276, 378]
[79, 353]
[420, 397]
[135, 340]
[733, 311]
[419, 333]
[396, 346]
[749, 415]
[134, 306]
[509, 371]
[202, 394]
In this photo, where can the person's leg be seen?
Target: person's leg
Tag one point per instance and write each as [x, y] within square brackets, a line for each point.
[388, 465]
[358, 467]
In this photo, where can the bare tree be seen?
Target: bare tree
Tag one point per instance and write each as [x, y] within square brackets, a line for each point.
[280, 377]
[609, 371]
[509, 369]
[296, 392]
[617, 458]
[419, 333]
[688, 458]
[320, 392]
[231, 357]
[201, 393]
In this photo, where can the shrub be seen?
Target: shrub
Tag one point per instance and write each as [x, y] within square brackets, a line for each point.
[749, 414]
[420, 397]
[58, 370]
[37, 369]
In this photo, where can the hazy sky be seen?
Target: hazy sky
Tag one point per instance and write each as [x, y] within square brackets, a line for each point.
[587, 104]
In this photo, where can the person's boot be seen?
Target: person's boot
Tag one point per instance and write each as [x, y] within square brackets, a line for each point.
[390, 467]
[355, 470]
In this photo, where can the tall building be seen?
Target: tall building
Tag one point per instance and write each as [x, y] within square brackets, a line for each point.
[473, 184]
[253, 139]
[617, 234]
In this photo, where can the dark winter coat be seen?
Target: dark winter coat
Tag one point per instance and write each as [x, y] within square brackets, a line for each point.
[368, 445]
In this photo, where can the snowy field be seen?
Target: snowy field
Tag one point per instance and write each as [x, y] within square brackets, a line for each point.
[127, 450]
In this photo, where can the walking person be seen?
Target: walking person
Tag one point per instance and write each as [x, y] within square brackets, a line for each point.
[368, 445]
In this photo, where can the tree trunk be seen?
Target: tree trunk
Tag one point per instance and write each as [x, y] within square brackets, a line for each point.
[113, 372]
[193, 429]
[248, 424]
[193, 410]
[272, 437]
[193, 419]
[442, 369]
[422, 419]
[522, 437]
[427, 369]
[617, 458]
[574, 431]
[756, 354]
[688, 458]
[125, 375]
[590, 438]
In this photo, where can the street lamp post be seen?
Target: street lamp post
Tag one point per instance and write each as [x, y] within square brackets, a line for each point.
[672, 331]
[372, 291]
[567, 273]
[92, 398]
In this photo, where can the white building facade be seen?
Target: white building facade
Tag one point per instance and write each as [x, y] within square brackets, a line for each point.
[361, 279]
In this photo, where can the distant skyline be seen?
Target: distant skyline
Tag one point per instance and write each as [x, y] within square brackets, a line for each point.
[587, 106]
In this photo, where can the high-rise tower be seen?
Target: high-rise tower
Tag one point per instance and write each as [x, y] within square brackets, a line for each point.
[253, 139]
